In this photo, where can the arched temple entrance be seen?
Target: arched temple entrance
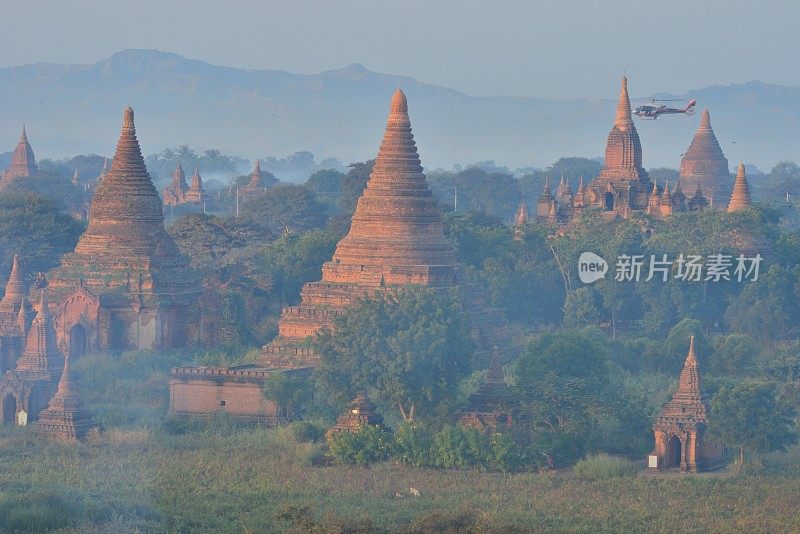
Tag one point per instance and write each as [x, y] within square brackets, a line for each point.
[10, 409]
[673, 452]
[77, 341]
[609, 202]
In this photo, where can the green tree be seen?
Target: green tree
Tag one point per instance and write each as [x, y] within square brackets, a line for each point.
[288, 393]
[353, 184]
[409, 347]
[286, 208]
[750, 416]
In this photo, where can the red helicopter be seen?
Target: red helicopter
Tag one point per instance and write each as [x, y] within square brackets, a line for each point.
[653, 110]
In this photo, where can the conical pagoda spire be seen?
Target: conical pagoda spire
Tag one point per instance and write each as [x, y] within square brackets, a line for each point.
[256, 178]
[126, 217]
[740, 198]
[704, 163]
[65, 418]
[666, 198]
[522, 214]
[689, 381]
[15, 288]
[22, 317]
[581, 187]
[41, 355]
[75, 178]
[624, 120]
[103, 171]
[179, 179]
[687, 404]
[547, 191]
[197, 182]
[23, 161]
[397, 225]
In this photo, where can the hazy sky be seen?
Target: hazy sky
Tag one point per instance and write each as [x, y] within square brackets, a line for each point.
[558, 48]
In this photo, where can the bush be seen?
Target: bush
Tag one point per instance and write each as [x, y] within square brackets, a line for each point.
[603, 467]
[369, 445]
[455, 446]
[413, 443]
[307, 432]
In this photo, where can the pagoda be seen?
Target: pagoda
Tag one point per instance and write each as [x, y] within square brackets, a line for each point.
[196, 194]
[14, 310]
[680, 427]
[520, 220]
[704, 165]
[125, 285]
[175, 192]
[623, 184]
[256, 186]
[23, 162]
[361, 412]
[65, 418]
[740, 198]
[489, 407]
[395, 239]
[28, 387]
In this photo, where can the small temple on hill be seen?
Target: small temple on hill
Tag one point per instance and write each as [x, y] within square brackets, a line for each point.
[14, 311]
[704, 165]
[23, 162]
[679, 429]
[623, 185]
[362, 411]
[65, 418]
[26, 389]
[179, 192]
[740, 197]
[395, 239]
[125, 285]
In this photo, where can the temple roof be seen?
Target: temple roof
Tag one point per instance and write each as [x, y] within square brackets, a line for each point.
[23, 162]
[197, 182]
[740, 198]
[687, 405]
[15, 288]
[179, 179]
[624, 119]
[41, 354]
[522, 214]
[623, 159]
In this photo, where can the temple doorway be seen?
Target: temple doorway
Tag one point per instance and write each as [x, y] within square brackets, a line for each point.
[10, 409]
[673, 452]
[77, 341]
[609, 202]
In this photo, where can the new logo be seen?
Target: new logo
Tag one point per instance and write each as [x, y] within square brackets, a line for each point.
[591, 267]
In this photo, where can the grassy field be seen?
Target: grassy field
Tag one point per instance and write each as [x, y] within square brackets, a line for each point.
[149, 473]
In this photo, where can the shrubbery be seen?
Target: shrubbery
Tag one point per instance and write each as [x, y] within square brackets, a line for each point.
[603, 466]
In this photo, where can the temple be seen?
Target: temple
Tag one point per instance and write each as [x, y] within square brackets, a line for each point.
[679, 429]
[65, 418]
[704, 165]
[361, 412]
[175, 192]
[490, 406]
[623, 186]
[14, 311]
[520, 220]
[740, 198]
[196, 194]
[396, 239]
[256, 187]
[23, 162]
[125, 285]
[26, 390]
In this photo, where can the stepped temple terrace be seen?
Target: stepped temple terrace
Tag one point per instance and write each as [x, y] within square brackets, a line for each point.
[395, 239]
[125, 285]
[178, 192]
[680, 427]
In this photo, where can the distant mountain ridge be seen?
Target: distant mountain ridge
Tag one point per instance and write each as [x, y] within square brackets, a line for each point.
[72, 109]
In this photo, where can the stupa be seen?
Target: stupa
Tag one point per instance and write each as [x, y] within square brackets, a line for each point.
[196, 194]
[490, 406]
[680, 427]
[23, 162]
[175, 192]
[256, 186]
[704, 164]
[361, 412]
[14, 310]
[65, 417]
[125, 285]
[395, 238]
[740, 198]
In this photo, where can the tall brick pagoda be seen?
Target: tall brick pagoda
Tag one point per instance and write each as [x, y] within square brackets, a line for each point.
[196, 194]
[175, 192]
[256, 186]
[704, 164]
[490, 406]
[23, 162]
[65, 417]
[740, 198]
[680, 427]
[13, 318]
[623, 184]
[125, 285]
[395, 238]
